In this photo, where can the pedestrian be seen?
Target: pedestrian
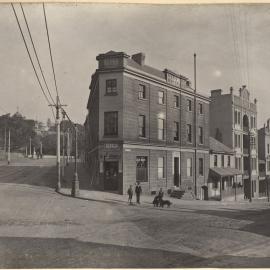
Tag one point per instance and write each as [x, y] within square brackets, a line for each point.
[138, 191]
[130, 194]
[160, 195]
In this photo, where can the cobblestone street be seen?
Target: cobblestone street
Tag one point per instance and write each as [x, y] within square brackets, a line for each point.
[41, 228]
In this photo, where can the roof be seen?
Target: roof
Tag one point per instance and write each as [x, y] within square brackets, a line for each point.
[146, 68]
[225, 171]
[217, 146]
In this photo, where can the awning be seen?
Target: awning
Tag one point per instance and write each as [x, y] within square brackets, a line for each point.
[225, 171]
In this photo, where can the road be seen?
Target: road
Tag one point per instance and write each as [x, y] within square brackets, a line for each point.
[40, 228]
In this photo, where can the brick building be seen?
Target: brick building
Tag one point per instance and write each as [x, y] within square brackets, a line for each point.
[234, 123]
[264, 158]
[140, 127]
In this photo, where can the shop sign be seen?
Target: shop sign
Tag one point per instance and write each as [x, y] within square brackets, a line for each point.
[111, 146]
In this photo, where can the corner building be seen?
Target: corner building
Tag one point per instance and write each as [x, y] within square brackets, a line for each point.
[140, 127]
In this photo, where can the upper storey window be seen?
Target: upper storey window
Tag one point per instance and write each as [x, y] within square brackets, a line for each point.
[110, 123]
[142, 92]
[111, 87]
[161, 99]
[189, 106]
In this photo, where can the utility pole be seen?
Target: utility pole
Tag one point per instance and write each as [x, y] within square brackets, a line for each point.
[26, 151]
[8, 146]
[57, 122]
[41, 154]
[63, 146]
[30, 149]
[68, 147]
[5, 143]
[75, 183]
[195, 127]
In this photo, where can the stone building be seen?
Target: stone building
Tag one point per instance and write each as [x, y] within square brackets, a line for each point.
[264, 158]
[140, 127]
[233, 121]
[225, 182]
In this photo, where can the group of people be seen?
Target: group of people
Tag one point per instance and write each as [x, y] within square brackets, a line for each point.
[138, 191]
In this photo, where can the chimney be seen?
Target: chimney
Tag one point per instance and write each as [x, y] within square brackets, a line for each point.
[240, 91]
[255, 100]
[215, 93]
[139, 58]
[231, 90]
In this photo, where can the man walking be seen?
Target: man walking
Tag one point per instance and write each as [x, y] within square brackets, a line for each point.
[138, 191]
[130, 194]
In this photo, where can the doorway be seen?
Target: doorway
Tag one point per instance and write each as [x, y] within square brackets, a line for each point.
[176, 172]
[111, 175]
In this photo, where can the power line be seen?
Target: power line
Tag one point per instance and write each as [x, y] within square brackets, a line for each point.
[48, 37]
[29, 55]
[29, 32]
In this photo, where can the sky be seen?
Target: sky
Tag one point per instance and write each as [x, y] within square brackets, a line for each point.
[231, 43]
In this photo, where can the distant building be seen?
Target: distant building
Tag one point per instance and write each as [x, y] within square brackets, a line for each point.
[264, 158]
[225, 182]
[233, 121]
[140, 127]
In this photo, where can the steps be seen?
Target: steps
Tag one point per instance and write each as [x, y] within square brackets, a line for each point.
[183, 194]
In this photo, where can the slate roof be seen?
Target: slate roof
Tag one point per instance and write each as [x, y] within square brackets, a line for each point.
[225, 171]
[217, 146]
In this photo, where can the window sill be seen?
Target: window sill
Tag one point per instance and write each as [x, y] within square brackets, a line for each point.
[143, 138]
[111, 94]
[110, 136]
[143, 99]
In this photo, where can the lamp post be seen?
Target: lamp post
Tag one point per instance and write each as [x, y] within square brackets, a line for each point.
[75, 183]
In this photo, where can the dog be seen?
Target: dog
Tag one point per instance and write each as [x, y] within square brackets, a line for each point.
[165, 202]
[156, 201]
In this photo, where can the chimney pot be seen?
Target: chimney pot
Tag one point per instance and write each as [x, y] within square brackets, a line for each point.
[139, 58]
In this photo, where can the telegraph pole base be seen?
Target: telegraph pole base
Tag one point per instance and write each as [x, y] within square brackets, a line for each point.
[75, 191]
[58, 187]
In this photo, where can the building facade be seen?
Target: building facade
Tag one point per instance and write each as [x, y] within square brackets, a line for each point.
[225, 181]
[264, 159]
[141, 127]
[234, 123]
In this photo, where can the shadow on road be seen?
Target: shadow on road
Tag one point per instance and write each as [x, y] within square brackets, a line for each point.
[258, 218]
[22, 252]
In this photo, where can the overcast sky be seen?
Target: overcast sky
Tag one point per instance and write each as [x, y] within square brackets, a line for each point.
[231, 42]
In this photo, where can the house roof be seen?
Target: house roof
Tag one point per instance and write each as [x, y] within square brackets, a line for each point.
[225, 171]
[218, 147]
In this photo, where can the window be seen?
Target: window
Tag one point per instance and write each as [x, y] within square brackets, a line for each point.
[189, 133]
[235, 117]
[238, 163]
[111, 86]
[142, 125]
[200, 135]
[268, 165]
[176, 131]
[215, 160]
[239, 118]
[222, 160]
[110, 123]
[268, 149]
[161, 131]
[201, 166]
[161, 173]
[141, 169]
[161, 97]
[176, 101]
[237, 140]
[189, 108]
[142, 91]
[200, 108]
[229, 161]
[189, 167]
[253, 164]
[215, 184]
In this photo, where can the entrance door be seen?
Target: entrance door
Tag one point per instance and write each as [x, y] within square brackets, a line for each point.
[111, 175]
[176, 172]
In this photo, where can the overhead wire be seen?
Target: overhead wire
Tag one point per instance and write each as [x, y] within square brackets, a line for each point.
[29, 55]
[34, 48]
[49, 43]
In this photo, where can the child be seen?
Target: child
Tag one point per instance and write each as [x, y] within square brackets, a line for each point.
[130, 194]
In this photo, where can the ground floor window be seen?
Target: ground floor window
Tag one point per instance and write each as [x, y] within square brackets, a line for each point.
[189, 167]
[201, 166]
[141, 169]
[161, 171]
